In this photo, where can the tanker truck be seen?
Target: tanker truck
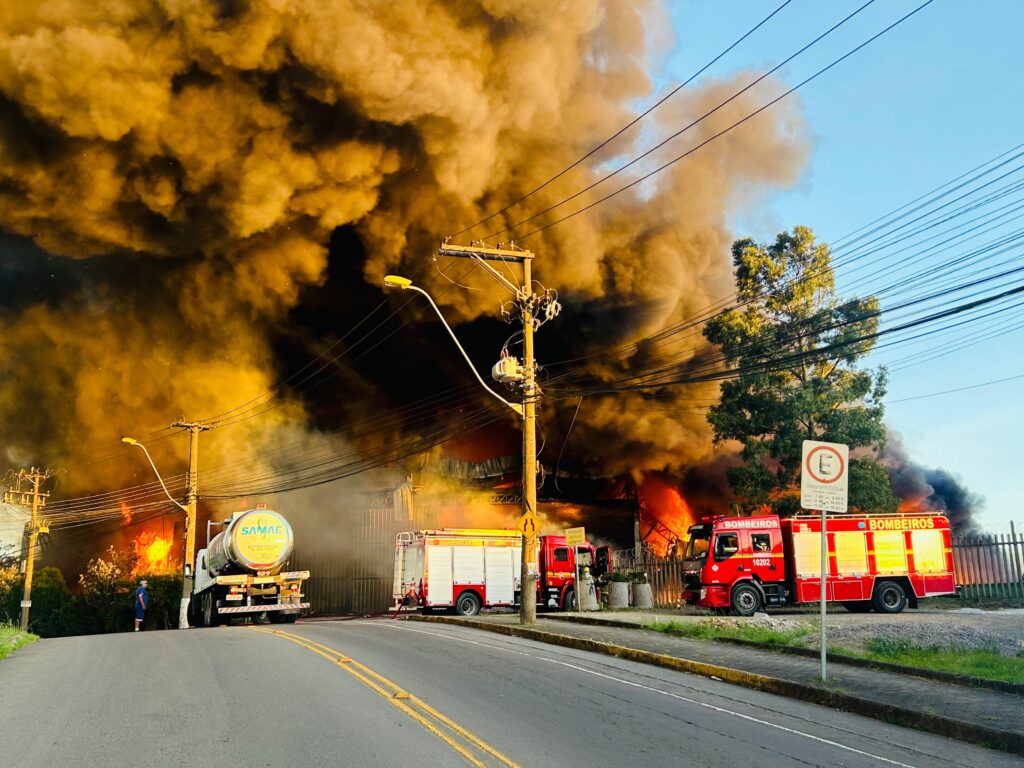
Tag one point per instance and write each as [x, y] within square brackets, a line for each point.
[239, 573]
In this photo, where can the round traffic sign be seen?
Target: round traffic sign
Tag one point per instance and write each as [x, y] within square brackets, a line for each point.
[829, 454]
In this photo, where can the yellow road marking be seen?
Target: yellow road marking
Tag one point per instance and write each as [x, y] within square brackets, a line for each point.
[398, 697]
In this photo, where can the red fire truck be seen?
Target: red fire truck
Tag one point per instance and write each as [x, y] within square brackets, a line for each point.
[874, 562]
[466, 569]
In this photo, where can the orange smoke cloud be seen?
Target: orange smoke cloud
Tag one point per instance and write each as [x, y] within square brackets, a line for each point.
[195, 158]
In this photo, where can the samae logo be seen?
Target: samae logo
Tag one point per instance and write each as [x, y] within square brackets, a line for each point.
[261, 528]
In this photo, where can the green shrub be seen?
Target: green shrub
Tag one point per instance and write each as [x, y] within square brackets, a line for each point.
[50, 598]
[619, 576]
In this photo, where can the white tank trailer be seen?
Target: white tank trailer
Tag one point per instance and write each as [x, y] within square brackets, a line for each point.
[240, 572]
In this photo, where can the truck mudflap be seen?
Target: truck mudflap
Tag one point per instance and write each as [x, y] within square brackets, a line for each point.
[249, 579]
[261, 608]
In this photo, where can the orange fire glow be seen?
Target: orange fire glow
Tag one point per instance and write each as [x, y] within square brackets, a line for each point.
[155, 554]
[665, 512]
[126, 513]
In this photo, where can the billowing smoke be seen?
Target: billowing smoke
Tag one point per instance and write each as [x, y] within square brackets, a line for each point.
[172, 171]
[924, 488]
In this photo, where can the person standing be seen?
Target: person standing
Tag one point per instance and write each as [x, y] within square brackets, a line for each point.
[141, 603]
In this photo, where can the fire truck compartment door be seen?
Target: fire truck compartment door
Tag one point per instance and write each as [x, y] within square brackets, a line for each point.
[501, 562]
[439, 576]
[468, 565]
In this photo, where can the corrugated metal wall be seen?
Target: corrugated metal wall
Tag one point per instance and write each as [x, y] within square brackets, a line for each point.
[351, 561]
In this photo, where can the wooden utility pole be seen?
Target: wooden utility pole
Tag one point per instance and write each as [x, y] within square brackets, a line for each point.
[533, 310]
[191, 509]
[35, 499]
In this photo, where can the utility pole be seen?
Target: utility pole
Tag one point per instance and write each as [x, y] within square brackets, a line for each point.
[191, 508]
[36, 500]
[534, 310]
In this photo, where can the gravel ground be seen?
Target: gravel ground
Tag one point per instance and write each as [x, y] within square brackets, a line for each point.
[969, 629]
[925, 634]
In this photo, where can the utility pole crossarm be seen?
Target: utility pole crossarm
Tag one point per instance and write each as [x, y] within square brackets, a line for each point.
[482, 255]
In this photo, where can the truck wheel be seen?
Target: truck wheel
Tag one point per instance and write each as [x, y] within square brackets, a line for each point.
[569, 603]
[889, 598]
[209, 610]
[857, 606]
[260, 618]
[468, 604]
[745, 600]
[276, 617]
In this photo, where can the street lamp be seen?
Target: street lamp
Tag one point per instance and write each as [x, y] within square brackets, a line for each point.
[132, 441]
[187, 567]
[405, 284]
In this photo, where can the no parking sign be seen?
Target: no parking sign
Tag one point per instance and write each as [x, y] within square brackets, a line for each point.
[824, 476]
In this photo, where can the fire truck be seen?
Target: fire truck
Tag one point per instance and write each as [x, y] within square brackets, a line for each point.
[745, 564]
[466, 569]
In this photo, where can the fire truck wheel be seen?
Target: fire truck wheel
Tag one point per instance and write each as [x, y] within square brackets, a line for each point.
[857, 606]
[276, 617]
[889, 597]
[260, 618]
[746, 600]
[468, 604]
[569, 602]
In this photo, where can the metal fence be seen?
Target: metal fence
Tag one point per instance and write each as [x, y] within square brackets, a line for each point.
[990, 566]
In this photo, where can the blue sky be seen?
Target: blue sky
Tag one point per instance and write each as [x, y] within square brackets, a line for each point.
[933, 98]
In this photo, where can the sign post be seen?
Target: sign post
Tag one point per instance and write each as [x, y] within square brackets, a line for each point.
[824, 485]
[576, 537]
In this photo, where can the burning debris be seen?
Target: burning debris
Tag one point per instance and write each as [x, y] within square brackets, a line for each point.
[156, 555]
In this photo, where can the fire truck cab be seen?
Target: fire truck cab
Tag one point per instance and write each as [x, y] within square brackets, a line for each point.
[884, 563]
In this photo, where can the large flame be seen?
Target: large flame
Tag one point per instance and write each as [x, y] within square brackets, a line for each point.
[665, 515]
[155, 553]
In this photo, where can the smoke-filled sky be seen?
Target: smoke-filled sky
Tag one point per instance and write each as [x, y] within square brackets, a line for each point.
[173, 171]
[198, 197]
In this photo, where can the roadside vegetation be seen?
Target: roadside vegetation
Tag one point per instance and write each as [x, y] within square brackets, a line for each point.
[984, 663]
[987, 663]
[101, 601]
[12, 638]
[714, 630]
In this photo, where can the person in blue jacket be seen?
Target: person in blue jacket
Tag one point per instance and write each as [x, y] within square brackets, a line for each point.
[141, 603]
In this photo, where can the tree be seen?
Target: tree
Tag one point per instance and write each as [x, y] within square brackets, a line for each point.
[793, 345]
[106, 587]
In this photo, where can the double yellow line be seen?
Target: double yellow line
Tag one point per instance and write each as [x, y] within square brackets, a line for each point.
[451, 733]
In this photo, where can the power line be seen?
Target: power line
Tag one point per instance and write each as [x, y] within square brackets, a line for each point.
[627, 126]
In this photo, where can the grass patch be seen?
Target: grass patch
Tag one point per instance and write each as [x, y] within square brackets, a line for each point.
[12, 638]
[987, 664]
[711, 630]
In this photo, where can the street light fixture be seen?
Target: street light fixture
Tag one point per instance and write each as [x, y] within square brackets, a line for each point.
[405, 284]
[132, 441]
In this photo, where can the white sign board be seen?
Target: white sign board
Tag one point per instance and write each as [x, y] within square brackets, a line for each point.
[824, 476]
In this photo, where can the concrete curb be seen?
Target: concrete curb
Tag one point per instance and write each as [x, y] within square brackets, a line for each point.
[1008, 741]
[839, 658]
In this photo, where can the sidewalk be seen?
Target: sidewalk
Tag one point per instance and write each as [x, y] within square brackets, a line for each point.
[979, 715]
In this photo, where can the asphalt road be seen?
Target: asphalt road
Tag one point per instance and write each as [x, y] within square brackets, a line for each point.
[382, 693]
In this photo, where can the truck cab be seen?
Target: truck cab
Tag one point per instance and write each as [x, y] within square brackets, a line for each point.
[557, 563]
[736, 563]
